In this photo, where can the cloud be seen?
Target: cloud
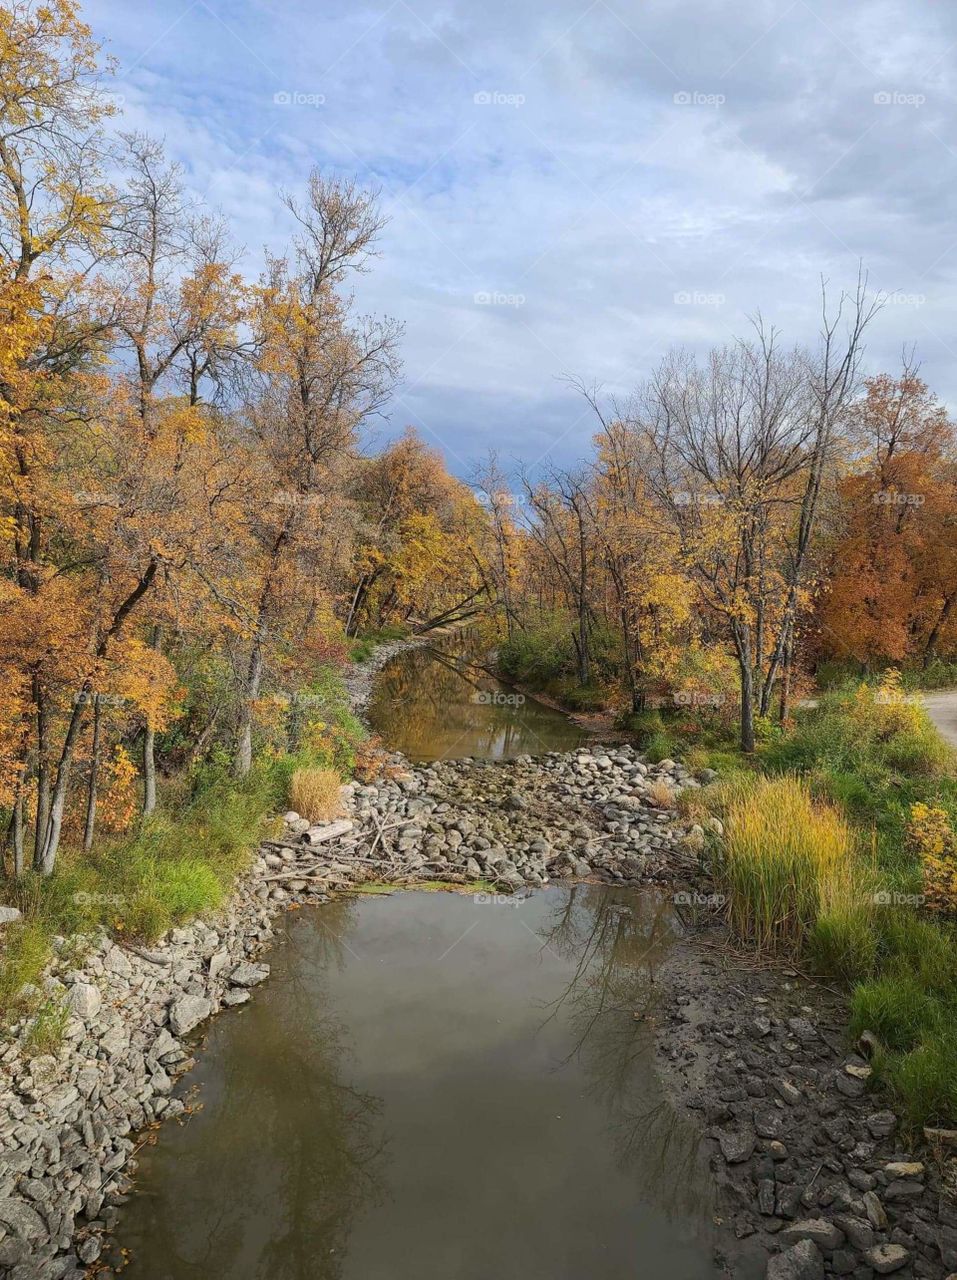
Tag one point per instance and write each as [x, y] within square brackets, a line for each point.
[638, 176]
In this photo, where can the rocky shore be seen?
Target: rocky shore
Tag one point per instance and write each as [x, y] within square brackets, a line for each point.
[810, 1167]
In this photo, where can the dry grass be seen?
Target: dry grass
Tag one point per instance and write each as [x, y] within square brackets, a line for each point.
[314, 793]
[661, 794]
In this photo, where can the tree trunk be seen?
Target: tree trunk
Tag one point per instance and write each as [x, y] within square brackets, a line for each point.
[243, 760]
[90, 824]
[149, 744]
[43, 774]
[149, 769]
[746, 671]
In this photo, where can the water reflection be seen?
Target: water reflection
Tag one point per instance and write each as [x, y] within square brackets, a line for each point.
[432, 1086]
[615, 943]
[438, 702]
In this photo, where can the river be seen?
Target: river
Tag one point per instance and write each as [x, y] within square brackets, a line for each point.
[437, 1084]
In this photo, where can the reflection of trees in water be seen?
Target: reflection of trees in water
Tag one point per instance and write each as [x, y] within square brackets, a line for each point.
[425, 702]
[276, 1174]
[616, 942]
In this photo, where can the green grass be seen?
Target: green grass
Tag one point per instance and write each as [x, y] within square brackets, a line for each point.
[365, 645]
[181, 863]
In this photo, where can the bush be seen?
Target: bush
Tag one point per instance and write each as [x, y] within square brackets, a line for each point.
[314, 793]
[931, 836]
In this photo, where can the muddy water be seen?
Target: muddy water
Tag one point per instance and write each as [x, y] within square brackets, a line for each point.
[435, 1086]
[438, 703]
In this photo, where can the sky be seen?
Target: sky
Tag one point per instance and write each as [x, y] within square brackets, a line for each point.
[575, 187]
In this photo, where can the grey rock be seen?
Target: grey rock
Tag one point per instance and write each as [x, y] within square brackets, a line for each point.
[9, 915]
[84, 1000]
[23, 1221]
[247, 974]
[881, 1124]
[802, 1261]
[188, 1012]
[887, 1258]
[824, 1234]
[736, 1144]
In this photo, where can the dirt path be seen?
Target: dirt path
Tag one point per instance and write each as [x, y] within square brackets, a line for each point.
[942, 709]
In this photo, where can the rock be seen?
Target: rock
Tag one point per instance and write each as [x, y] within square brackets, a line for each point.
[824, 1234]
[881, 1124]
[736, 1144]
[904, 1169]
[802, 1261]
[188, 1012]
[236, 996]
[9, 915]
[887, 1258]
[859, 1233]
[21, 1219]
[875, 1210]
[789, 1092]
[89, 1249]
[941, 1137]
[84, 1000]
[247, 974]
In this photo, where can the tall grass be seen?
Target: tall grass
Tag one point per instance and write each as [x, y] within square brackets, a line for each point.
[786, 859]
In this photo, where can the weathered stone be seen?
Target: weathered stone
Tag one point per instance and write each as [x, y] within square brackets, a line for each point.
[84, 1000]
[249, 975]
[803, 1261]
[9, 915]
[887, 1258]
[188, 1012]
[23, 1221]
[881, 1124]
[824, 1234]
[736, 1144]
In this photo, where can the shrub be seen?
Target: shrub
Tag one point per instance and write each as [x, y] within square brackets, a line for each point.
[931, 836]
[315, 793]
[661, 794]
